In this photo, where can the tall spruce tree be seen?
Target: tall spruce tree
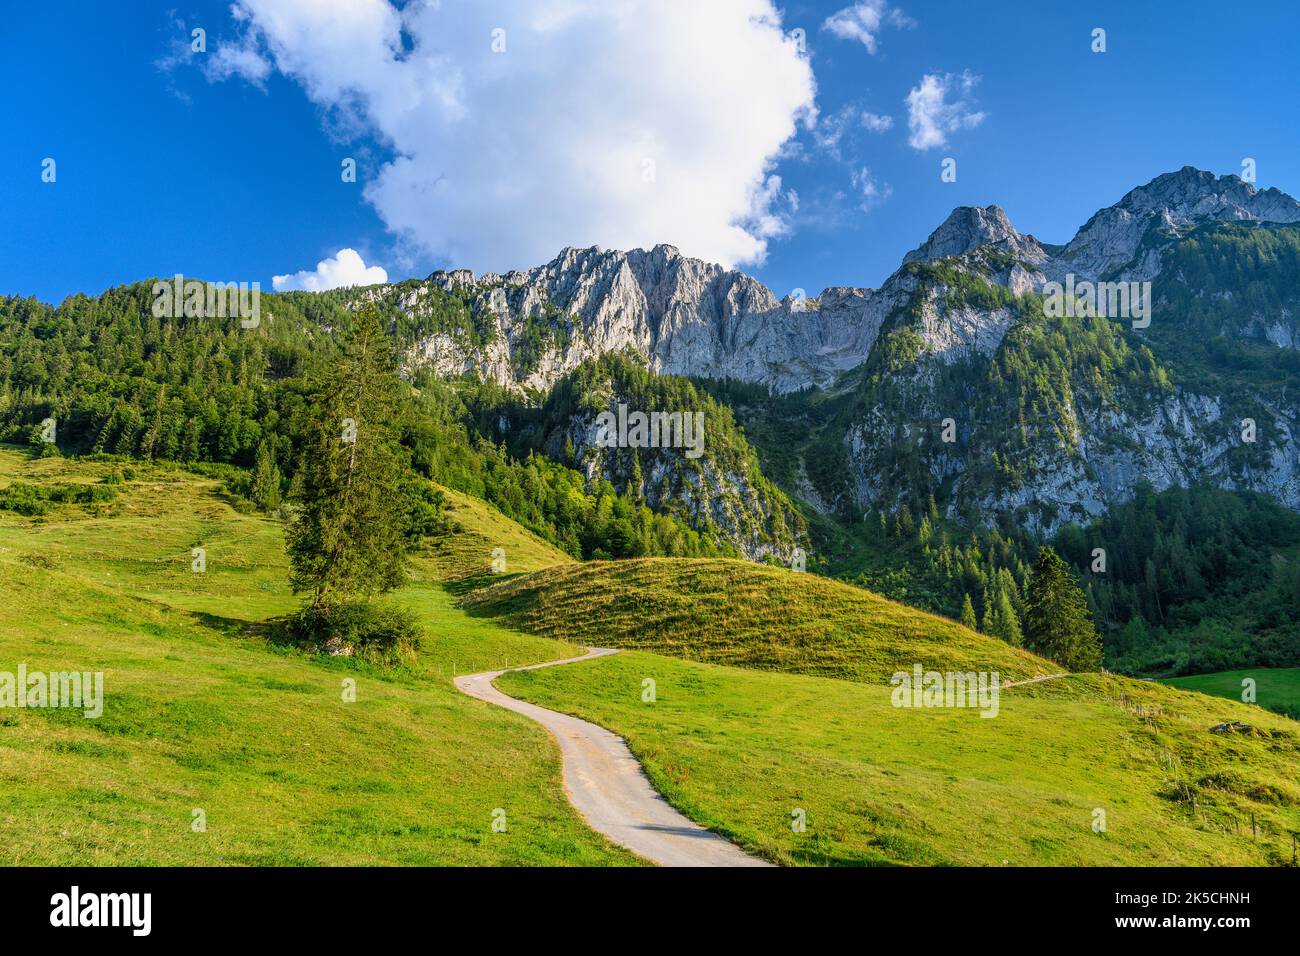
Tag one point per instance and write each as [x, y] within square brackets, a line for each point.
[345, 535]
[1007, 624]
[968, 614]
[1057, 622]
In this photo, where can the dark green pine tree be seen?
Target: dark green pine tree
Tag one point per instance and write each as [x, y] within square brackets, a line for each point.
[1057, 622]
[968, 613]
[346, 532]
[636, 483]
[1007, 624]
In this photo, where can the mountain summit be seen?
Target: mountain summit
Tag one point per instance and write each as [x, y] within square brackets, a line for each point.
[1122, 240]
[968, 228]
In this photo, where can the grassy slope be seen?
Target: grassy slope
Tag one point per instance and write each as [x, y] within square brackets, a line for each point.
[200, 712]
[738, 613]
[203, 713]
[740, 750]
[1277, 688]
[465, 557]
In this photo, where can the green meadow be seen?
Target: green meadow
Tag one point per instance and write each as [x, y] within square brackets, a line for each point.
[747, 615]
[202, 712]
[770, 698]
[741, 751]
[1276, 688]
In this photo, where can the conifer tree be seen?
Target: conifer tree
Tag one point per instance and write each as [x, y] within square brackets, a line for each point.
[346, 534]
[636, 483]
[1006, 624]
[266, 480]
[968, 613]
[1057, 622]
[905, 523]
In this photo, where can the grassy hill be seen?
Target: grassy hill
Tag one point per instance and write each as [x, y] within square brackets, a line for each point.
[465, 556]
[744, 614]
[201, 712]
[740, 751]
[1277, 688]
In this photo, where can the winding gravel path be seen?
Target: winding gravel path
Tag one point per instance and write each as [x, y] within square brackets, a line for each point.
[607, 786]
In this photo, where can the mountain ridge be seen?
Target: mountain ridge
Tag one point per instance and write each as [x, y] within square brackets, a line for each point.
[690, 317]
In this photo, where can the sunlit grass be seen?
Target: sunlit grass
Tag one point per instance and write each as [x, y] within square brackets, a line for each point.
[202, 713]
[745, 614]
[741, 751]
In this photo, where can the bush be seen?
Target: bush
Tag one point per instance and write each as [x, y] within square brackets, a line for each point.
[23, 499]
[358, 627]
[73, 494]
[34, 500]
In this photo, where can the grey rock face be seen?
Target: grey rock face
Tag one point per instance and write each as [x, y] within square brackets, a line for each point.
[1111, 242]
[710, 496]
[685, 316]
[969, 228]
[689, 317]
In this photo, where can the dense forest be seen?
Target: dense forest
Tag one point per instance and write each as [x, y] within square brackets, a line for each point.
[117, 380]
[1191, 580]
[1195, 580]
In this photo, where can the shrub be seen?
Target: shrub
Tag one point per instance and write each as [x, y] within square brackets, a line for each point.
[23, 499]
[358, 627]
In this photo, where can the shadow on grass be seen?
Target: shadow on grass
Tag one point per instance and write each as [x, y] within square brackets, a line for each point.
[237, 627]
[460, 587]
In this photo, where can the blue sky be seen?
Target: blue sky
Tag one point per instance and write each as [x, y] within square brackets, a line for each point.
[226, 165]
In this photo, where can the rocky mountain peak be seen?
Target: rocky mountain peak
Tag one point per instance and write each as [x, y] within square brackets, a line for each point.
[1114, 241]
[691, 317]
[969, 227]
[1192, 194]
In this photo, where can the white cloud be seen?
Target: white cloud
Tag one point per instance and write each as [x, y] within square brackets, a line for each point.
[930, 115]
[616, 124]
[345, 269]
[870, 193]
[834, 131]
[864, 20]
[222, 59]
[877, 123]
[831, 128]
[238, 59]
[838, 135]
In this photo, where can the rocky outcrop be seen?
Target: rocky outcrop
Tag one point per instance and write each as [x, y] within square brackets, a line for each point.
[969, 228]
[684, 316]
[688, 317]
